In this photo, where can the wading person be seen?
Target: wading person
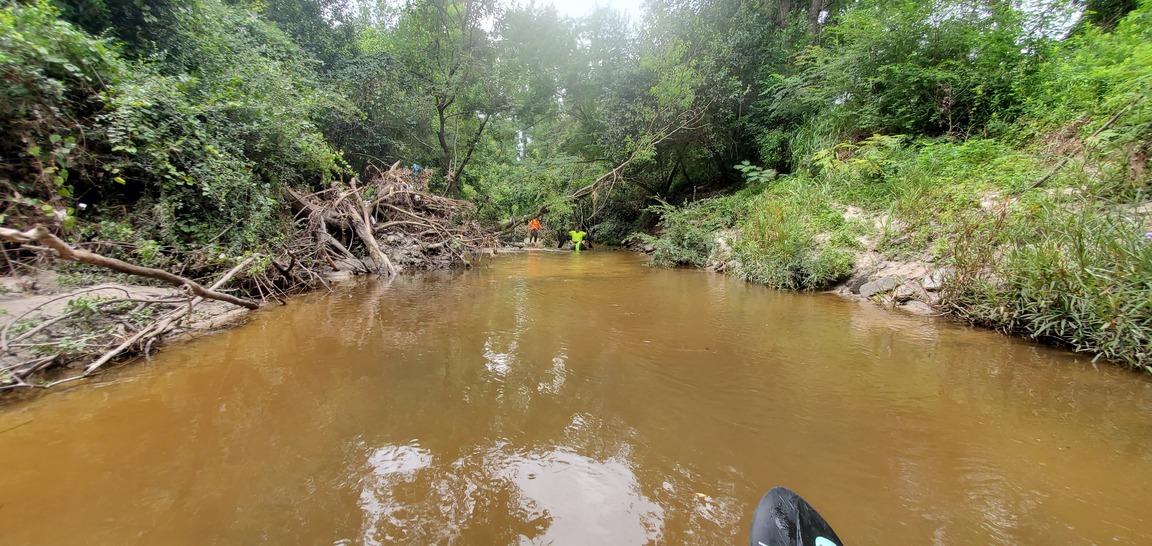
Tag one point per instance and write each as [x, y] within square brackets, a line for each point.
[577, 235]
[534, 231]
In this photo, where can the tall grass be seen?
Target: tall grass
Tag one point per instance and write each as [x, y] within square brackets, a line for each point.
[786, 239]
[1076, 276]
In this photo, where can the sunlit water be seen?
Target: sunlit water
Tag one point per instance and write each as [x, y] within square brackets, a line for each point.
[582, 399]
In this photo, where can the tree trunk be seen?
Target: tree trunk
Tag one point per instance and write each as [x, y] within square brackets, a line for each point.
[442, 137]
[814, 10]
[454, 181]
[784, 9]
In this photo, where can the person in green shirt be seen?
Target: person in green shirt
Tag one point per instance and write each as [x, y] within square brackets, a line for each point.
[577, 235]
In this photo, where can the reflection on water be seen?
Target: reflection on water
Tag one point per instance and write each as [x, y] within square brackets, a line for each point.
[582, 399]
[388, 467]
[408, 496]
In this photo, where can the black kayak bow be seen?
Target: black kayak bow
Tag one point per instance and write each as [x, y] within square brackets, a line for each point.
[784, 519]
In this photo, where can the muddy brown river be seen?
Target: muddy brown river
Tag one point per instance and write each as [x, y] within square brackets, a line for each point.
[580, 399]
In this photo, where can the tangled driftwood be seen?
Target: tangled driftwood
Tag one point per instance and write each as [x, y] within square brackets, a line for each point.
[382, 226]
[390, 223]
[96, 327]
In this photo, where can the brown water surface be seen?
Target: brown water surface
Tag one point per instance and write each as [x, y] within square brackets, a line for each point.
[582, 399]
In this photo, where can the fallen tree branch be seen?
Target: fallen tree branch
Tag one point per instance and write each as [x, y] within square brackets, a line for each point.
[351, 259]
[687, 121]
[59, 318]
[8, 326]
[304, 203]
[41, 235]
[361, 219]
[158, 328]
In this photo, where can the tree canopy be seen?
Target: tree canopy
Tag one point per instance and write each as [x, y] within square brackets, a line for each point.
[198, 115]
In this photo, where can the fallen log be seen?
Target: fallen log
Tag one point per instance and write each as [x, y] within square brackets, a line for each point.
[361, 219]
[40, 234]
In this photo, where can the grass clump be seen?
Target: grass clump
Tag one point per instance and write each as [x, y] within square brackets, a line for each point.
[1076, 276]
[792, 239]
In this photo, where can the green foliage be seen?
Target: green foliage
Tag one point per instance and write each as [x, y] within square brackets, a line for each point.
[52, 77]
[778, 243]
[83, 306]
[1104, 14]
[140, 24]
[870, 157]
[687, 235]
[757, 177]
[257, 92]
[325, 28]
[1093, 77]
[917, 67]
[1077, 276]
[514, 190]
[619, 217]
[201, 140]
[445, 43]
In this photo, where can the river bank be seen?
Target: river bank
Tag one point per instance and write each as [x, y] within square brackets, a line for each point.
[110, 306]
[57, 332]
[991, 234]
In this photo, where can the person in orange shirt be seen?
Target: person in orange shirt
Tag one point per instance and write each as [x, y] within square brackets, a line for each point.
[534, 230]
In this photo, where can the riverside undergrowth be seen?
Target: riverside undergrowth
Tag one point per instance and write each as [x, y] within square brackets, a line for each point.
[1068, 263]
[1031, 199]
[1077, 273]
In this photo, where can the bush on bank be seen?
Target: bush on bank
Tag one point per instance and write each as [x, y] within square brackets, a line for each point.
[1067, 263]
[187, 146]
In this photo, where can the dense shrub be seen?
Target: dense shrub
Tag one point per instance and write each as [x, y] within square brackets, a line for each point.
[688, 234]
[198, 141]
[786, 239]
[53, 84]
